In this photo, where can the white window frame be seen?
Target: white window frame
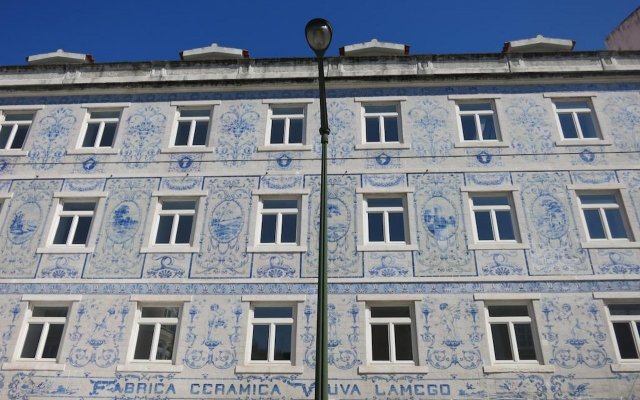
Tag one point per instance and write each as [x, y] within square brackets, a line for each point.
[4, 111]
[138, 303]
[515, 207]
[494, 100]
[627, 214]
[406, 194]
[418, 364]
[600, 140]
[169, 141]
[403, 136]
[42, 364]
[101, 124]
[608, 298]
[79, 137]
[258, 196]
[296, 364]
[59, 199]
[285, 103]
[155, 210]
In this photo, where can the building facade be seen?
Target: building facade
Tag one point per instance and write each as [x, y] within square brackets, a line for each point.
[159, 228]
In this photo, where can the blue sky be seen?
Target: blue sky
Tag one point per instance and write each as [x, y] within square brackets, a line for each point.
[140, 30]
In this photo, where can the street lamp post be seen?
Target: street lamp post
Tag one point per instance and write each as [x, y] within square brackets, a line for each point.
[318, 33]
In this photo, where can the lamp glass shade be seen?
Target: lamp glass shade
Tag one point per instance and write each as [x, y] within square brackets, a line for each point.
[318, 32]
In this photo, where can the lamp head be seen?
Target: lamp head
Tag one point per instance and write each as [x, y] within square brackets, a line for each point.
[318, 33]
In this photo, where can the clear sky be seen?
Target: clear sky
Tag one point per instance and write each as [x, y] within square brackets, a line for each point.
[140, 30]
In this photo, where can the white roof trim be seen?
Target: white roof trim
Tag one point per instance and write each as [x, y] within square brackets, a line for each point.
[59, 57]
[213, 52]
[375, 48]
[539, 44]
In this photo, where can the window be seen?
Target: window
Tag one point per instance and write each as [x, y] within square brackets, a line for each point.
[603, 216]
[192, 128]
[44, 332]
[576, 119]
[391, 333]
[174, 221]
[625, 320]
[385, 219]
[493, 218]
[279, 220]
[381, 123]
[73, 222]
[511, 334]
[14, 127]
[477, 121]
[155, 333]
[271, 333]
[286, 125]
[100, 129]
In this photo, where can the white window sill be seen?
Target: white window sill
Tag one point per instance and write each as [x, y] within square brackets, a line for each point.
[33, 366]
[386, 247]
[269, 369]
[498, 246]
[583, 142]
[66, 249]
[170, 248]
[514, 368]
[149, 367]
[610, 244]
[277, 248]
[626, 367]
[13, 152]
[392, 368]
[481, 144]
[383, 146]
[187, 149]
[93, 150]
[285, 147]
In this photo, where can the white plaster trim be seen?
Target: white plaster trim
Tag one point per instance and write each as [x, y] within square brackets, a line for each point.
[610, 244]
[285, 147]
[386, 247]
[13, 152]
[595, 187]
[85, 195]
[149, 366]
[179, 193]
[388, 297]
[161, 298]
[269, 368]
[281, 192]
[473, 96]
[195, 103]
[33, 366]
[170, 248]
[93, 150]
[52, 297]
[392, 368]
[105, 105]
[6, 195]
[288, 101]
[277, 248]
[506, 296]
[276, 298]
[379, 99]
[66, 249]
[616, 295]
[583, 142]
[481, 144]
[498, 245]
[569, 95]
[383, 146]
[391, 191]
[513, 368]
[484, 189]
[22, 108]
[187, 150]
[626, 367]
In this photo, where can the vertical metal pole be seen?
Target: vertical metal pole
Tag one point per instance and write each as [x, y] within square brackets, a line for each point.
[322, 369]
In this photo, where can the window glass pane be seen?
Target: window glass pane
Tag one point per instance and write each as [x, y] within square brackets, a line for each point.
[524, 339]
[282, 349]
[200, 135]
[598, 199]
[501, 344]
[624, 338]
[108, 134]
[289, 228]
[380, 109]
[272, 312]
[179, 205]
[295, 131]
[165, 342]
[183, 234]
[469, 127]
[5, 132]
[568, 128]
[62, 232]
[390, 312]
[391, 129]
[372, 126]
[19, 138]
[31, 341]
[384, 202]
[268, 229]
[505, 225]
[18, 117]
[195, 113]
[490, 201]
[90, 135]
[260, 343]
[403, 342]
[160, 312]
[616, 225]
[82, 230]
[182, 135]
[52, 343]
[396, 227]
[376, 229]
[624, 309]
[49, 312]
[483, 225]
[475, 106]
[105, 114]
[165, 224]
[143, 342]
[572, 104]
[277, 131]
[287, 110]
[587, 126]
[280, 203]
[508, 311]
[380, 343]
[488, 128]
[73, 206]
[594, 224]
